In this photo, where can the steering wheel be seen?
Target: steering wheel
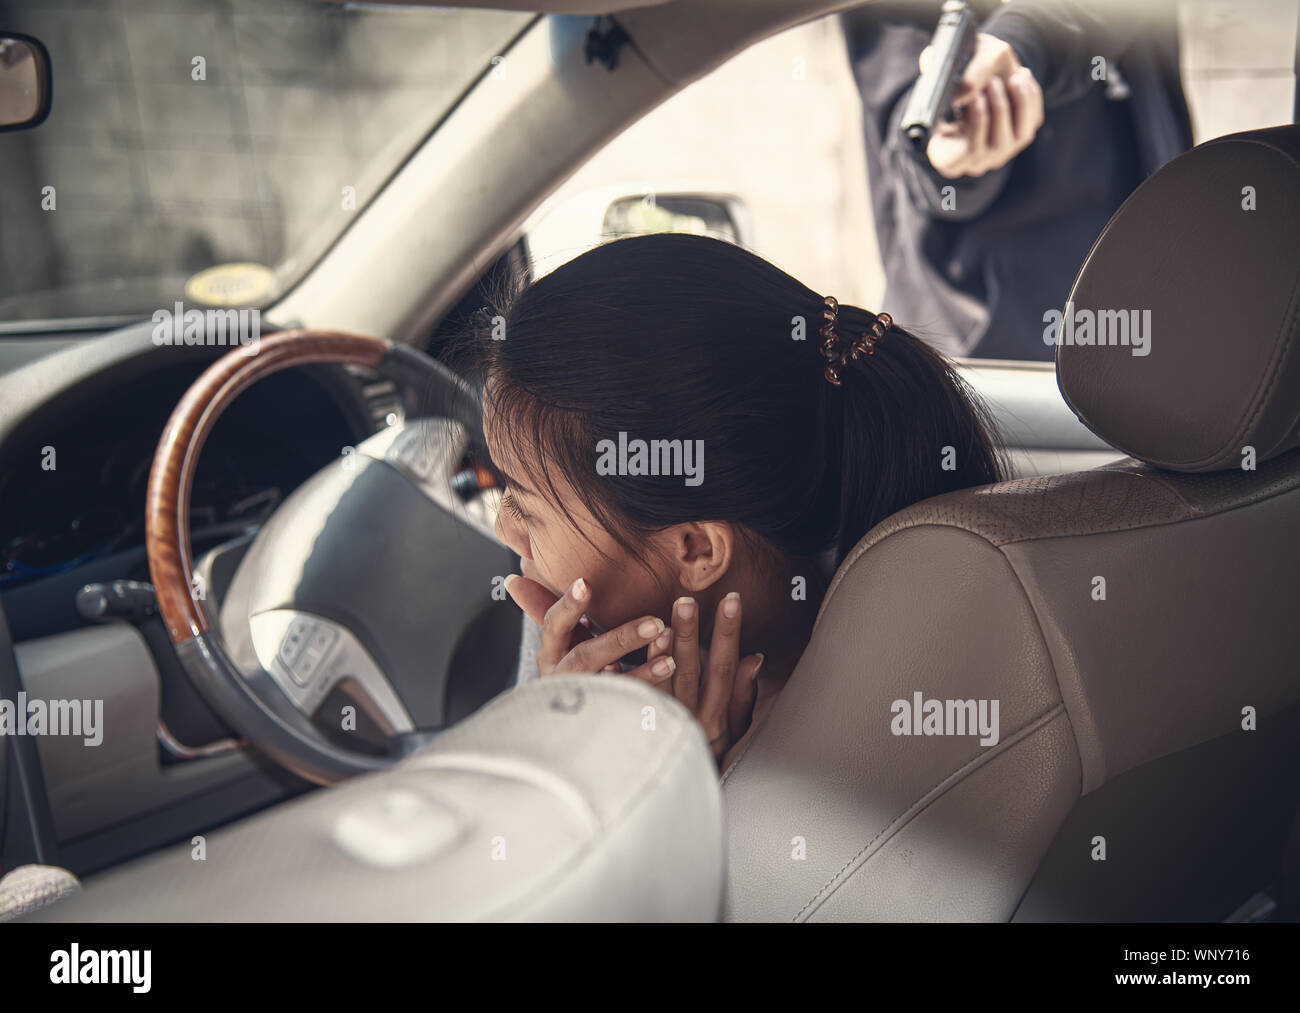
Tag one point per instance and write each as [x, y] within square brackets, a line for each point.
[341, 609]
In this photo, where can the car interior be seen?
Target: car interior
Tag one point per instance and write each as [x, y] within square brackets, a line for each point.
[235, 550]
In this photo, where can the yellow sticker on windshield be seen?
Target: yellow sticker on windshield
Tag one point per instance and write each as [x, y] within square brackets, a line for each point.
[231, 285]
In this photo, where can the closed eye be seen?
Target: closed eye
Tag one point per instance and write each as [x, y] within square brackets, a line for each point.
[508, 501]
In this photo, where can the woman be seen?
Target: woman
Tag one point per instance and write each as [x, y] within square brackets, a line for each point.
[691, 443]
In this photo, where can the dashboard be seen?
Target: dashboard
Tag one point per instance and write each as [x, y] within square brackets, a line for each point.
[81, 415]
[78, 493]
[74, 469]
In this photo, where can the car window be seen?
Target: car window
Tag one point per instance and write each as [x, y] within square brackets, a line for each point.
[777, 135]
[188, 135]
[777, 126]
[1238, 64]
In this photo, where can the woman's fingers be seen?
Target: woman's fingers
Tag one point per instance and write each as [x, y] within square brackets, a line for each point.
[686, 652]
[661, 645]
[529, 595]
[724, 659]
[715, 685]
[559, 623]
[658, 676]
[536, 600]
[594, 654]
[658, 673]
[740, 711]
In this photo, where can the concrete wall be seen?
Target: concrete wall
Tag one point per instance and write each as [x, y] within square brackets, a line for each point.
[1238, 60]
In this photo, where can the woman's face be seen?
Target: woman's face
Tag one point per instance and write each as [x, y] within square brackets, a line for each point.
[555, 554]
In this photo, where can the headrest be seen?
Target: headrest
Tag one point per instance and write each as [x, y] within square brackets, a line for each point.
[1180, 342]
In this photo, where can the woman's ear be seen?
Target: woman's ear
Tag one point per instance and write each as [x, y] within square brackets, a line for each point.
[699, 552]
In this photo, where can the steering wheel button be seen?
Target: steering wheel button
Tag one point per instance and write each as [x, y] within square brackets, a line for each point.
[322, 639]
[305, 668]
[295, 639]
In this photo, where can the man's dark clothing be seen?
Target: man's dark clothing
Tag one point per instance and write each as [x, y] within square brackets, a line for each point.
[976, 279]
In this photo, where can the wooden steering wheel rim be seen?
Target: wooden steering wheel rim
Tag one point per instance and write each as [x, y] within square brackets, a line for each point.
[171, 478]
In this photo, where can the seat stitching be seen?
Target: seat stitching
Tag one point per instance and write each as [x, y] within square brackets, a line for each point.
[1021, 733]
[1197, 513]
[1288, 331]
[1052, 661]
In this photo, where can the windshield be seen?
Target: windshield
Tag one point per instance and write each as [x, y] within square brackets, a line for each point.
[211, 150]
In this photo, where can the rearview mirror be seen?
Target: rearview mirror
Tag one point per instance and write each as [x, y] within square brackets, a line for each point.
[717, 215]
[559, 231]
[24, 82]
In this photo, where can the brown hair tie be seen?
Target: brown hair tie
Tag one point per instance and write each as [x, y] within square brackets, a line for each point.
[833, 345]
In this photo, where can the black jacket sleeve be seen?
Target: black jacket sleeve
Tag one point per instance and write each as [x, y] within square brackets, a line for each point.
[1060, 42]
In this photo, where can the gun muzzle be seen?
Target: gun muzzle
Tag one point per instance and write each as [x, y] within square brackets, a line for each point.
[952, 47]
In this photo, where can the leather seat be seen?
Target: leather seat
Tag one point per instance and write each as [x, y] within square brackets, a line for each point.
[569, 799]
[1137, 625]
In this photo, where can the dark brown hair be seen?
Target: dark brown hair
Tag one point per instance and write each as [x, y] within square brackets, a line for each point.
[685, 337]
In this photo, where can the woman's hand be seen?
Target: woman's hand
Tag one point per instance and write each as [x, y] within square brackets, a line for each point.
[715, 684]
[568, 646]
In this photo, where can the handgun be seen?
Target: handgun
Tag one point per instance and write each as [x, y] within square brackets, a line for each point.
[953, 45]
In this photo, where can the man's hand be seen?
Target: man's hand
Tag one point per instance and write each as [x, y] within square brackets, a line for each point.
[1001, 108]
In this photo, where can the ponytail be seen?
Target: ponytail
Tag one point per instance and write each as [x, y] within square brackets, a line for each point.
[910, 428]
